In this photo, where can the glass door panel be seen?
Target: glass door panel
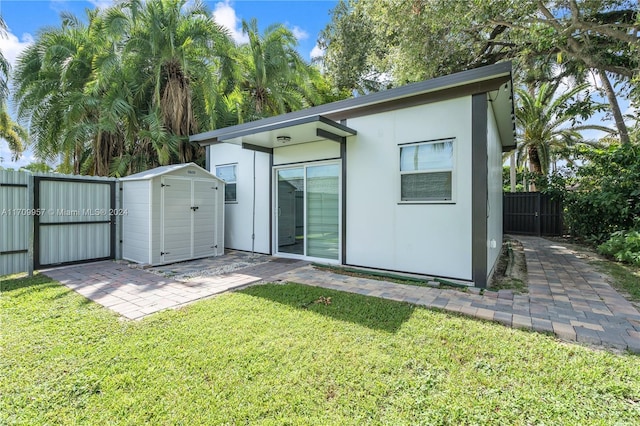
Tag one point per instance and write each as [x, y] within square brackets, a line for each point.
[323, 211]
[290, 204]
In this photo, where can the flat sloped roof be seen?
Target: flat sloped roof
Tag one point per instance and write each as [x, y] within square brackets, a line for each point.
[479, 80]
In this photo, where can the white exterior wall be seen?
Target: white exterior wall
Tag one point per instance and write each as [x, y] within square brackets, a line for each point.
[136, 225]
[494, 187]
[238, 215]
[312, 151]
[432, 239]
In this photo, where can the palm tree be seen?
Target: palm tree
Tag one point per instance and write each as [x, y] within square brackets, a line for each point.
[123, 92]
[4, 65]
[179, 58]
[275, 79]
[56, 92]
[49, 81]
[10, 131]
[544, 125]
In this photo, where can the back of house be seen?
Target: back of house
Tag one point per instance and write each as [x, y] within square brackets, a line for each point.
[408, 180]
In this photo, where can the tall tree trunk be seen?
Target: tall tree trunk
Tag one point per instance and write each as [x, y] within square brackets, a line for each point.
[177, 111]
[534, 166]
[615, 107]
[534, 161]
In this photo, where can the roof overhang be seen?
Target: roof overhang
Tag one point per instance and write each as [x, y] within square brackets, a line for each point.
[291, 132]
[305, 124]
[501, 101]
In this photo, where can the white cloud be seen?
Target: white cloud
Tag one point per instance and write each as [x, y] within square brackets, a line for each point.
[316, 52]
[58, 5]
[224, 14]
[299, 33]
[565, 85]
[594, 80]
[11, 46]
[6, 156]
[631, 115]
[102, 4]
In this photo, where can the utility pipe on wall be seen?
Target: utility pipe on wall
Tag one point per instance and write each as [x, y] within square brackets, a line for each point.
[253, 219]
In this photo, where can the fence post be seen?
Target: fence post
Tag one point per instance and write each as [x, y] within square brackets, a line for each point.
[30, 227]
[538, 214]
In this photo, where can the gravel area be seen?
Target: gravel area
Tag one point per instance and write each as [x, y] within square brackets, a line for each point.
[208, 267]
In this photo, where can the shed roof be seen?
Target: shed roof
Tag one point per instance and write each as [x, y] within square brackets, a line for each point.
[163, 170]
[489, 79]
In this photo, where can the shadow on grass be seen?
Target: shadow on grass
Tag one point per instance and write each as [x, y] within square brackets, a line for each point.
[22, 282]
[371, 312]
[25, 285]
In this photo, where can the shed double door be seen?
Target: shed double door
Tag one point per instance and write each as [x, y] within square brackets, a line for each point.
[188, 218]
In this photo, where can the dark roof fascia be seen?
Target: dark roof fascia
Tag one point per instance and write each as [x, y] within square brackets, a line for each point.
[513, 120]
[336, 125]
[334, 108]
[423, 98]
[234, 132]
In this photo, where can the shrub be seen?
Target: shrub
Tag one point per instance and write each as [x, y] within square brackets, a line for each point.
[606, 196]
[624, 246]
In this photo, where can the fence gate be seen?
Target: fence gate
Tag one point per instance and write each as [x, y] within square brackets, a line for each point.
[14, 222]
[532, 213]
[75, 221]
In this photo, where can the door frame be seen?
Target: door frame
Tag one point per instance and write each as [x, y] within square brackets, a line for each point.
[274, 203]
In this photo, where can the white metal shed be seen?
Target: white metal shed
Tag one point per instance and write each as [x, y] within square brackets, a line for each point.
[172, 213]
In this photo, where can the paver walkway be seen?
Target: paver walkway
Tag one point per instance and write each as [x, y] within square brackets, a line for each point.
[566, 297]
[135, 293]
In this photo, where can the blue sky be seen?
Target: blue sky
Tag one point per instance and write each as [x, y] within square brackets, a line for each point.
[25, 17]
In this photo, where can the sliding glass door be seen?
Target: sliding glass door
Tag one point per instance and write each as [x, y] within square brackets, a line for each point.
[323, 215]
[290, 207]
[308, 211]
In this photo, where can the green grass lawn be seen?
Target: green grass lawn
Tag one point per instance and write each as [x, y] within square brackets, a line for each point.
[625, 278]
[270, 355]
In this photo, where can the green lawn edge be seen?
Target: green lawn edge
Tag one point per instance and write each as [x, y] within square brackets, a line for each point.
[293, 354]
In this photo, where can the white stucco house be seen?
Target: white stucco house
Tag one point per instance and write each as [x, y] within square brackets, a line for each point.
[408, 179]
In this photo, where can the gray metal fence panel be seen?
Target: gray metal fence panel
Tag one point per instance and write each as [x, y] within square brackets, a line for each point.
[77, 223]
[16, 217]
[49, 219]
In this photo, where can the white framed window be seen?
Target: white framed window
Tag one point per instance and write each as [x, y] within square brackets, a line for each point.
[229, 174]
[427, 171]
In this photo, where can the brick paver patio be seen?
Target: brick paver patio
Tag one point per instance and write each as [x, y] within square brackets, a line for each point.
[567, 297]
[135, 293]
